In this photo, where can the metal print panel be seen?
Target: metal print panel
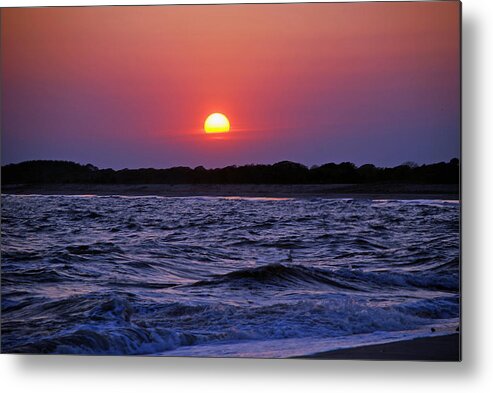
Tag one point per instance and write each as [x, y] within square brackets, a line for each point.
[266, 181]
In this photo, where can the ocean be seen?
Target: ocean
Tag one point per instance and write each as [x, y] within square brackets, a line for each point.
[211, 276]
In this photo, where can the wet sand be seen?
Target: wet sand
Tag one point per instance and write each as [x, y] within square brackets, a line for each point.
[361, 191]
[441, 348]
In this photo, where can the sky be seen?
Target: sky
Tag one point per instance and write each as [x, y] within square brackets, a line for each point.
[131, 87]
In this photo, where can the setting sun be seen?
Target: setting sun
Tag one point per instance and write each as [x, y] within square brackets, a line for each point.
[215, 123]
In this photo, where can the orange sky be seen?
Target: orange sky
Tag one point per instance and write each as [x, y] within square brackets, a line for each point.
[132, 86]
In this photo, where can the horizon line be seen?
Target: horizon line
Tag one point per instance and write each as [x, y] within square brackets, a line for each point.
[405, 163]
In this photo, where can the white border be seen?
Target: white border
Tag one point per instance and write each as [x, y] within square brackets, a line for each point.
[126, 374]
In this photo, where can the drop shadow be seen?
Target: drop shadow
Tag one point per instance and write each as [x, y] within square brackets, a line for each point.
[31, 365]
[470, 194]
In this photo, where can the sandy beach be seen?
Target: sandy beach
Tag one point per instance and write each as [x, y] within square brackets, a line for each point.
[441, 348]
[361, 191]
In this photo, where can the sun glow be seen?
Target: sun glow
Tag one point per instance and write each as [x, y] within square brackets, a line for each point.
[215, 123]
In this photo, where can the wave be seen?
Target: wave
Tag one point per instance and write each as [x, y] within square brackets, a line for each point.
[277, 274]
[114, 327]
[97, 248]
[109, 327]
[35, 275]
[107, 340]
[441, 277]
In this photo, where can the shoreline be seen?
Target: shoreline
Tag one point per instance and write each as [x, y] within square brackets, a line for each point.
[445, 348]
[332, 191]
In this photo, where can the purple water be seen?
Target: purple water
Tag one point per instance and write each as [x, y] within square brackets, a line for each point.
[224, 276]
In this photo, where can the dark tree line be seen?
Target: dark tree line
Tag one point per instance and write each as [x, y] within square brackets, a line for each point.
[285, 172]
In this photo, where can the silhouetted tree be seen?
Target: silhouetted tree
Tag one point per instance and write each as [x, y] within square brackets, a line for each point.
[284, 172]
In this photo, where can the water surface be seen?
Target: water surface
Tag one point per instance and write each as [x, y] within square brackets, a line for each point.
[224, 276]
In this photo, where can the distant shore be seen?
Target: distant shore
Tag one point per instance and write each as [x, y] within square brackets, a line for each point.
[360, 191]
[441, 348]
